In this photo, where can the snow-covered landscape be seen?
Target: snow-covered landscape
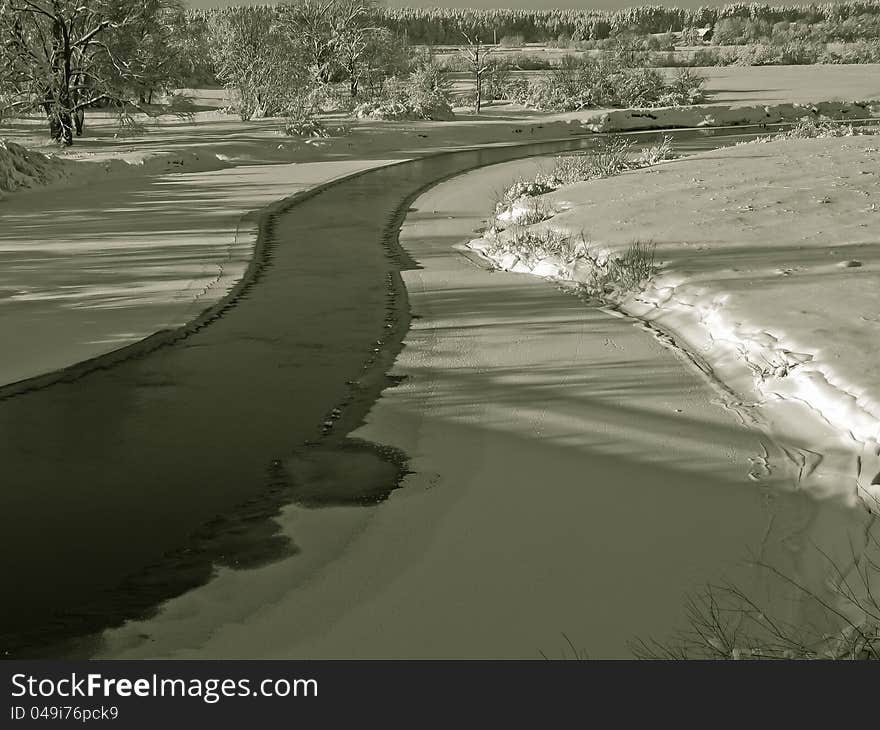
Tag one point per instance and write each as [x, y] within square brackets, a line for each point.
[345, 330]
[765, 270]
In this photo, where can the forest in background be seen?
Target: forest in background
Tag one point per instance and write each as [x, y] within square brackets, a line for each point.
[61, 58]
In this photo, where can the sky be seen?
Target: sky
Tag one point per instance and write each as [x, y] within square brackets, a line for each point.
[598, 4]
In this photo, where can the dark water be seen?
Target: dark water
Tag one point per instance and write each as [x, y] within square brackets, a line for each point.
[124, 487]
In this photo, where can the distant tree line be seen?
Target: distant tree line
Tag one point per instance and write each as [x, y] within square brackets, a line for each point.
[736, 23]
[440, 26]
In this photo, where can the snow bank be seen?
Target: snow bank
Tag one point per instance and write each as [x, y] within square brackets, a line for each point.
[20, 168]
[626, 120]
[24, 169]
[769, 274]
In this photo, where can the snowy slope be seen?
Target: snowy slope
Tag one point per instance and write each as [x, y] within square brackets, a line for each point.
[770, 273]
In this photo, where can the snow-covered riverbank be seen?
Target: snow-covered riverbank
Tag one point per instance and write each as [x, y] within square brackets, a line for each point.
[569, 474]
[178, 216]
[769, 273]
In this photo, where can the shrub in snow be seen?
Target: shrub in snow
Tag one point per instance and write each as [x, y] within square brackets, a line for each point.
[21, 168]
[611, 157]
[499, 83]
[528, 188]
[656, 153]
[808, 128]
[613, 276]
[545, 92]
[428, 91]
[612, 81]
[634, 87]
[305, 128]
[424, 94]
[570, 169]
[438, 110]
[386, 110]
[685, 89]
[533, 246]
[604, 277]
[524, 211]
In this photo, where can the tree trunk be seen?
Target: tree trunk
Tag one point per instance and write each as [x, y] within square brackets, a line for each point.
[61, 127]
[54, 127]
[66, 128]
[52, 117]
[479, 100]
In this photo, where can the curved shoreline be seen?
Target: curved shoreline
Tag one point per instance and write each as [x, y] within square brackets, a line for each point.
[257, 261]
[182, 440]
[805, 386]
[344, 421]
[264, 217]
[534, 493]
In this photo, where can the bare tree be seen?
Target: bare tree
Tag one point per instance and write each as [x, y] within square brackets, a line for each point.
[58, 55]
[477, 54]
[334, 33]
[355, 45]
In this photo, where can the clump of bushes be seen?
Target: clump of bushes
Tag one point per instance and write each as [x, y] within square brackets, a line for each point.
[568, 169]
[533, 246]
[808, 128]
[523, 211]
[529, 188]
[657, 153]
[307, 127]
[630, 270]
[685, 88]
[424, 94]
[607, 276]
[858, 52]
[613, 276]
[797, 52]
[499, 82]
[302, 113]
[385, 109]
[23, 168]
[611, 156]
[512, 41]
[428, 90]
[614, 80]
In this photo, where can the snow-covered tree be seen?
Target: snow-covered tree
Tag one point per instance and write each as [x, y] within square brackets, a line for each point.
[265, 67]
[63, 56]
[336, 35]
[477, 55]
